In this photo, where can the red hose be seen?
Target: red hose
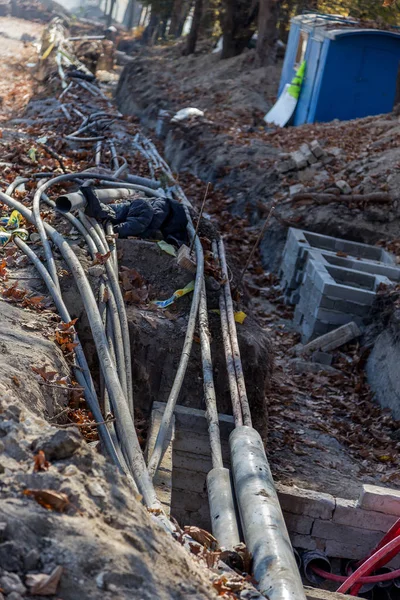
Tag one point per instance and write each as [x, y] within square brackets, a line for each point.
[367, 579]
[371, 563]
[393, 532]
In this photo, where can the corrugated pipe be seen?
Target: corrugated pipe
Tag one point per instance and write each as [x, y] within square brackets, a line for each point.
[130, 441]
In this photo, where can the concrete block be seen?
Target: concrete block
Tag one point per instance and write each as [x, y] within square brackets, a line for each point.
[334, 339]
[379, 499]
[360, 310]
[303, 542]
[350, 550]
[305, 502]
[344, 534]
[346, 292]
[316, 149]
[299, 159]
[317, 594]
[347, 513]
[298, 523]
[284, 166]
[333, 317]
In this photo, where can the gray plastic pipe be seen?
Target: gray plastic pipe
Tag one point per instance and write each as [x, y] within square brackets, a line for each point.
[67, 202]
[264, 528]
[89, 392]
[220, 496]
[121, 329]
[130, 441]
[233, 336]
[230, 364]
[159, 446]
[222, 508]
[150, 183]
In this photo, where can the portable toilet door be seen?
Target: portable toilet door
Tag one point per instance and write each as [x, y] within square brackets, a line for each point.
[305, 108]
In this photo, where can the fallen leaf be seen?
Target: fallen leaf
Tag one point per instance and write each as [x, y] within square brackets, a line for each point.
[49, 499]
[201, 536]
[46, 375]
[101, 259]
[40, 464]
[16, 380]
[41, 584]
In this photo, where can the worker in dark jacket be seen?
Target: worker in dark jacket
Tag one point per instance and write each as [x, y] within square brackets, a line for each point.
[141, 217]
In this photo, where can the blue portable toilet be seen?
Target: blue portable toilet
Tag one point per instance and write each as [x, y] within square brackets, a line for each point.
[350, 72]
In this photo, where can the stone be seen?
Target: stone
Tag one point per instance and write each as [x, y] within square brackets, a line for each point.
[323, 358]
[343, 186]
[379, 499]
[10, 582]
[299, 160]
[298, 523]
[14, 596]
[62, 444]
[287, 165]
[31, 560]
[96, 490]
[316, 149]
[335, 151]
[3, 531]
[296, 189]
[308, 155]
[10, 556]
[96, 270]
[317, 594]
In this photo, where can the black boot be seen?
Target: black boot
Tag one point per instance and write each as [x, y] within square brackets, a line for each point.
[94, 208]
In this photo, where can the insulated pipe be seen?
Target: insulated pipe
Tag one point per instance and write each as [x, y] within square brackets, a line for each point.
[130, 441]
[208, 383]
[233, 335]
[150, 183]
[220, 496]
[230, 365]
[98, 154]
[264, 528]
[159, 449]
[121, 329]
[222, 508]
[67, 202]
[90, 395]
[112, 244]
[114, 156]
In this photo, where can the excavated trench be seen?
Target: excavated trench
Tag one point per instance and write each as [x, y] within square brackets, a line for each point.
[156, 344]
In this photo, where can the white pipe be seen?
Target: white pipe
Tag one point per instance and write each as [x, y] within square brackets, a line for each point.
[264, 528]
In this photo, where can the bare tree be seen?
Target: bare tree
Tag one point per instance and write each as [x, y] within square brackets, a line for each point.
[194, 30]
[238, 25]
[267, 30]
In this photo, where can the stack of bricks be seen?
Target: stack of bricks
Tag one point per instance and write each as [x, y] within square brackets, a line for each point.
[338, 527]
[306, 156]
[332, 281]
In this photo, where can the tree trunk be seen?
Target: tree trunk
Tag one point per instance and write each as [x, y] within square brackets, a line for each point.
[176, 17]
[110, 14]
[150, 32]
[194, 30]
[130, 14]
[267, 31]
[238, 25]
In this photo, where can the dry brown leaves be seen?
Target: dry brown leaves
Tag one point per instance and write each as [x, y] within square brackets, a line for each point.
[40, 462]
[49, 499]
[134, 286]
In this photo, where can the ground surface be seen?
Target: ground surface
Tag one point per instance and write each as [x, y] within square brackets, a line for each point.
[326, 432]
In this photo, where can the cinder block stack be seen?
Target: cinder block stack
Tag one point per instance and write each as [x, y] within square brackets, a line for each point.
[332, 281]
